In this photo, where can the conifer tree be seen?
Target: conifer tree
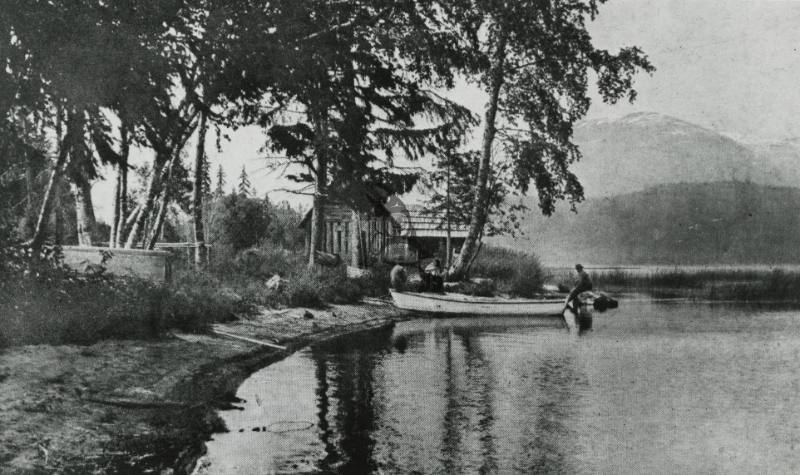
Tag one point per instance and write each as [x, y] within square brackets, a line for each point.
[245, 188]
[220, 189]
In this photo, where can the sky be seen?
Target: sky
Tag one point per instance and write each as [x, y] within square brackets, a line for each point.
[732, 66]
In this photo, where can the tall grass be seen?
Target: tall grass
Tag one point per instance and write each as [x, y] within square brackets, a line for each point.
[716, 284]
[46, 302]
[513, 272]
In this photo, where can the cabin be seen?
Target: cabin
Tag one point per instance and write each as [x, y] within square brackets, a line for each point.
[389, 233]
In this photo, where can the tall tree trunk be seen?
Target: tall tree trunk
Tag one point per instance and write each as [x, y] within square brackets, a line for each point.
[197, 194]
[137, 230]
[127, 224]
[318, 212]
[158, 225]
[480, 203]
[355, 232]
[84, 209]
[115, 217]
[58, 215]
[116, 237]
[320, 193]
[29, 205]
[40, 231]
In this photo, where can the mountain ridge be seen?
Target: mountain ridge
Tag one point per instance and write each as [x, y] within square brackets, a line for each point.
[644, 149]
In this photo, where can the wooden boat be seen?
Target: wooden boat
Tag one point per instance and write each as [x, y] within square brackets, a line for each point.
[460, 304]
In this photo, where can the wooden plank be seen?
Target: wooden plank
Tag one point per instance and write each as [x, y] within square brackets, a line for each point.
[249, 340]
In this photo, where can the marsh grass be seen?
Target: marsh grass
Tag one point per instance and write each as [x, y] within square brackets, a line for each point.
[713, 284]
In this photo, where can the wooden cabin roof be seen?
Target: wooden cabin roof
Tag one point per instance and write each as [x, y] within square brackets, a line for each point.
[414, 221]
[422, 223]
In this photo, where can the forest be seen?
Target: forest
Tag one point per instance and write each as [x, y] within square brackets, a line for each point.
[342, 92]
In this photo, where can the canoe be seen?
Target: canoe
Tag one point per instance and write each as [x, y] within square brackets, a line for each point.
[460, 304]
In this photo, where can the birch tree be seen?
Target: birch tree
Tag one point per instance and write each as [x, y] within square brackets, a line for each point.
[534, 60]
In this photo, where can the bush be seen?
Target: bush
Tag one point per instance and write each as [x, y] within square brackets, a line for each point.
[308, 288]
[195, 300]
[43, 302]
[238, 222]
[513, 272]
[264, 262]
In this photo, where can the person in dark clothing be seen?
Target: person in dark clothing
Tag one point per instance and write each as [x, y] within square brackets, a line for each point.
[434, 277]
[398, 278]
[583, 284]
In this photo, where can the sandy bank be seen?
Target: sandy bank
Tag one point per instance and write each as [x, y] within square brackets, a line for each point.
[145, 405]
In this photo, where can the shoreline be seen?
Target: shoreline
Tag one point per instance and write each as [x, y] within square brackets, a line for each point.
[138, 405]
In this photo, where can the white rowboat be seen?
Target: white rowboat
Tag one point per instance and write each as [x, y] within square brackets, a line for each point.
[448, 303]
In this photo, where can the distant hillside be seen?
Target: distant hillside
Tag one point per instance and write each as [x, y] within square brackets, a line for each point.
[648, 149]
[686, 223]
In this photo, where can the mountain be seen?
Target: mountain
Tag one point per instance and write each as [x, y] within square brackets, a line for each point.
[647, 149]
[686, 223]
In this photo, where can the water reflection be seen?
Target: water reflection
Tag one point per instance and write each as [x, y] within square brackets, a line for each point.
[346, 376]
[351, 419]
[554, 390]
[652, 389]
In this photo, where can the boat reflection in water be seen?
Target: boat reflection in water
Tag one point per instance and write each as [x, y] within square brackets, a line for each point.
[653, 388]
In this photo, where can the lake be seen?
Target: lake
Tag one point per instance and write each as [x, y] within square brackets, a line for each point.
[653, 388]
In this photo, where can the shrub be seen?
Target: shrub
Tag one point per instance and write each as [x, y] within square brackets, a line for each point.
[307, 288]
[266, 261]
[238, 222]
[514, 272]
[196, 299]
[43, 302]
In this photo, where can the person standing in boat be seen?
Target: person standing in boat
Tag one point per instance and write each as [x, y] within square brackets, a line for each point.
[583, 284]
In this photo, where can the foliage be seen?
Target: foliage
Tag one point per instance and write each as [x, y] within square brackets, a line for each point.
[245, 188]
[264, 262]
[197, 299]
[539, 57]
[220, 189]
[41, 301]
[450, 189]
[513, 272]
[238, 222]
[284, 227]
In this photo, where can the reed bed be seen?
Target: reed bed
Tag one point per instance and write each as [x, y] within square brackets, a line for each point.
[781, 285]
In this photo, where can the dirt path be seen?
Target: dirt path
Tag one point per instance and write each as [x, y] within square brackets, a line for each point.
[145, 405]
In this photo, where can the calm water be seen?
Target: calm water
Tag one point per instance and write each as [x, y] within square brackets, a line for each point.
[654, 388]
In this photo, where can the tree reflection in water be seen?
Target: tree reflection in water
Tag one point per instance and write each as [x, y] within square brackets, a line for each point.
[345, 372]
[530, 434]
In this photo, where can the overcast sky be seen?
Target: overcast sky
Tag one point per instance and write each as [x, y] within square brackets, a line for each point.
[733, 66]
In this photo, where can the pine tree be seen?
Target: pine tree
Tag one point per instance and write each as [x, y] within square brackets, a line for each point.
[245, 188]
[220, 190]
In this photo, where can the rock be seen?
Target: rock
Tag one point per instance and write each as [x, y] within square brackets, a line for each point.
[308, 315]
[276, 283]
[481, 281]
[550, 288]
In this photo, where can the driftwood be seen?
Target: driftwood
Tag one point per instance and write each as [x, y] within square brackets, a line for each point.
[136, 404]
[249, 340]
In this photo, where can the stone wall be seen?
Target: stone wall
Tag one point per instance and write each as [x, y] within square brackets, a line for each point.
[153, 265]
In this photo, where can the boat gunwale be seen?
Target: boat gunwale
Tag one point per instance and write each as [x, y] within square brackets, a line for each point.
[485, 300]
